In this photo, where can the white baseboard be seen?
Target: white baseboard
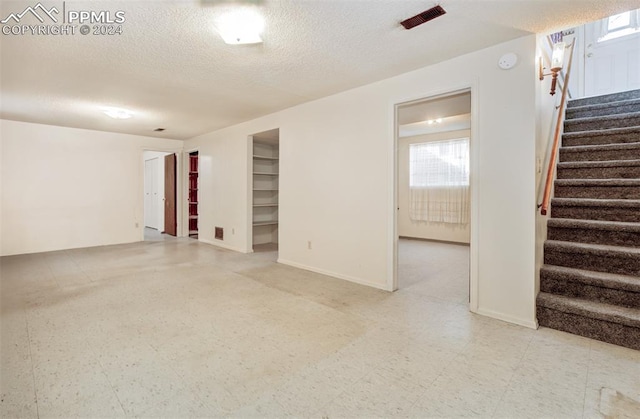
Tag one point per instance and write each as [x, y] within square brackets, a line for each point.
[223, 245]
[333, 274]
[531, 324]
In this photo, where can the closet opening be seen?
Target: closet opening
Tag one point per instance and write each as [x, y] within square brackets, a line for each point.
[193, 194]
[265, 172]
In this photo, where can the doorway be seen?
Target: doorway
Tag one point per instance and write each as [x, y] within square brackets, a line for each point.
[612, 54]
[433, 194]
[155, 194]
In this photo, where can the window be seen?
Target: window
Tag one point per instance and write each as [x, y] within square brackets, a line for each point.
[618, 22]
[439, 181]
[439, 164]
[622, 24]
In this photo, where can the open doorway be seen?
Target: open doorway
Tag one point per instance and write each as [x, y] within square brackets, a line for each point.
[607, 56]
[265, 148]
[433, 143]
[159, 195]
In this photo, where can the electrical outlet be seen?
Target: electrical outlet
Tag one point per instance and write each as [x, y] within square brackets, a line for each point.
[309, 245]
[137, 225]
[233, 231]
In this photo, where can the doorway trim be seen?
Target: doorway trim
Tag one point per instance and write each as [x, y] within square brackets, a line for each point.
[474, 159]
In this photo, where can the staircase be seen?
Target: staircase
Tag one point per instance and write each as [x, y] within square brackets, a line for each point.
[590, 280]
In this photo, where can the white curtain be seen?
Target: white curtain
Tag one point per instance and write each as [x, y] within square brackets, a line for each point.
[439, 181]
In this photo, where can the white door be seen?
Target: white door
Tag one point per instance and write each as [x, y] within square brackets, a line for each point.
[151, 193]
[612, 55]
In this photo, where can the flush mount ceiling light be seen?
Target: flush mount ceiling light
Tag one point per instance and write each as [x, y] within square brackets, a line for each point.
[240, 26]
[117, 113]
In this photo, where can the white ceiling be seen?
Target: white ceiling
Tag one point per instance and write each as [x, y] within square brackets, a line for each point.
[420, 118]
[173, 71]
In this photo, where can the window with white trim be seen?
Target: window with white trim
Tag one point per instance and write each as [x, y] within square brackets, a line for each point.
[622, 24]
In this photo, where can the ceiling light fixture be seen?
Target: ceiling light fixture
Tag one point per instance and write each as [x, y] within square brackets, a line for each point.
[117, 113]
[240, 26]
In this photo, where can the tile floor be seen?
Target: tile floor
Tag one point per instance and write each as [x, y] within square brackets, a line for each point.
[179, 329]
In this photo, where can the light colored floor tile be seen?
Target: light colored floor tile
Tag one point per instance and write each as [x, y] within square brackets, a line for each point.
[176, 328]
[373, 396]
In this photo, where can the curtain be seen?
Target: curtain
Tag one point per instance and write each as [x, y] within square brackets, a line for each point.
[439, 181]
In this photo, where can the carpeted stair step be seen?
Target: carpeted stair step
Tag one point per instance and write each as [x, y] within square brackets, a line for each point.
[603, 109]
[612, 97]
[607, 136]
[602, 122]
[598, 188]
[627, 210]
[601, 152]
[593, 257]
[590, 285]
[609, 169]
[598, 232]
[605, 322]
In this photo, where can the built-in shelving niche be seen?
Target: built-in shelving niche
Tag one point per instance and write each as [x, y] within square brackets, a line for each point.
[193, 194]
[265, 185]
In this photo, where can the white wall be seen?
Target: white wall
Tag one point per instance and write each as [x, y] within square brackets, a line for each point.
[67, 188]
[459, 233]
[337, 166]
[150, 155]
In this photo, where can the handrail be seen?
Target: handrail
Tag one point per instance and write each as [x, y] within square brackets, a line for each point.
[544, 207]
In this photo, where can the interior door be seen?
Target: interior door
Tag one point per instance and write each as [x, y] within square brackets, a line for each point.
[170, 226]
[151, 193]
[610, 65]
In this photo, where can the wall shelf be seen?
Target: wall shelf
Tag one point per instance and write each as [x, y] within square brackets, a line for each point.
[264, 223]
[265, 191]
[193, 194]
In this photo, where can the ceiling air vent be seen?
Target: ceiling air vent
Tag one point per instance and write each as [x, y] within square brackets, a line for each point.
[423, 17]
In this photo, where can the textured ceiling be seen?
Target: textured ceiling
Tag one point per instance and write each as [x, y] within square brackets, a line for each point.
[173, 71]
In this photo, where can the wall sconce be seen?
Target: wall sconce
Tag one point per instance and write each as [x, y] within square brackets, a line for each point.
[557, 60]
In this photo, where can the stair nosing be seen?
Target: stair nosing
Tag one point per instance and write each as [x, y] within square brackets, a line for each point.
[598, 163]
[595, 224]
[596, 278]
[598, 182]
[591, 309]
[596, 202]
[625, 115]
[600, 147]
[605, 105]
[605, 132]
[593, 247]
[602, 96]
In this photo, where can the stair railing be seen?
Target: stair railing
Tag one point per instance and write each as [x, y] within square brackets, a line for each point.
[551, 170]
